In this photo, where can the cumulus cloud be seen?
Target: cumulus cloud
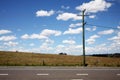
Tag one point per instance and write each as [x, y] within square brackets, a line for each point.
[106, 32]
[94, 28]
[92, 39]
[77, 30]
[10, 43]
[90, 29]
[118, 27]
[47, 32]
[7, 38]
[68, 41]
[68, 16]
[75, 25]
[43, 35]
[5, 31]
[94, 36]
[49, 41]
[25, 36]
[42, 13]
[92, 16]
[94, 6]
[73, 31]
[70, 49]
[45, 47]
[33, 36]
[116, 39]
[102, 48]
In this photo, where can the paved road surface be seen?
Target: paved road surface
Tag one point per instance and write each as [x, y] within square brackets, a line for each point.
[59, 73]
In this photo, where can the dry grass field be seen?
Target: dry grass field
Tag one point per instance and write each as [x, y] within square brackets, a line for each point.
[34, 59]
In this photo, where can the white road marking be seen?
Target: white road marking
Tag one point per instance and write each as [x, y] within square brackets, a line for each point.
[42, 74]
[76, 79]
[118, 74]
[3, 74]
[82, 74]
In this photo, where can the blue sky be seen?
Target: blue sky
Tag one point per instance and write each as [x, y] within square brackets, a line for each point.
[53, 26]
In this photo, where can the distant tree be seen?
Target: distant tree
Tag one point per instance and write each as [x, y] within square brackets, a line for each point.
[16, 51]
[62, 53]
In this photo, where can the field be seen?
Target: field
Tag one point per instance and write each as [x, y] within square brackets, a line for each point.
[35, 59]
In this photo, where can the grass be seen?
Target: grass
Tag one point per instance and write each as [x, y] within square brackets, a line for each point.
[32, 59]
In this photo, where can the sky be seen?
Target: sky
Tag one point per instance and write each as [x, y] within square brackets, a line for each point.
[54, 26]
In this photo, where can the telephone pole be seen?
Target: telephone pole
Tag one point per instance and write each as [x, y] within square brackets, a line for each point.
[83, 37]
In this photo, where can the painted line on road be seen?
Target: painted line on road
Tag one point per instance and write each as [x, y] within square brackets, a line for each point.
[82, 74]
[118, 74]
[3, 74]
[76, 79]
[42, 74]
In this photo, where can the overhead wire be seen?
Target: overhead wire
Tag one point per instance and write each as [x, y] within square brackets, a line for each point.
[101, 26]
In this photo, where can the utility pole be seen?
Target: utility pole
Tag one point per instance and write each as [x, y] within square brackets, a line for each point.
[83, 37]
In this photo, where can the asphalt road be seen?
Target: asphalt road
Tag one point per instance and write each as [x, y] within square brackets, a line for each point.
[59, 73]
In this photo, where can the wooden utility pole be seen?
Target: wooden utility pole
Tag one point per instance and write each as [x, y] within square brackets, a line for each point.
[83, 37]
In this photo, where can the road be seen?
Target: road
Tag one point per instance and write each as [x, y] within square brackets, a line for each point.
[59, 73]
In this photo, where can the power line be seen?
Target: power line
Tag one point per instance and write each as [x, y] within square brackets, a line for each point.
[101, 26]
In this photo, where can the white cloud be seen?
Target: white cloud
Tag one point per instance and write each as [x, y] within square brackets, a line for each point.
[70, 49]
[75, 25]
[94, 6]
[65, 7]
[25, 36]
[43, 35]
[67, 16]
[92, 39]
[68, 41]
[94, 28]
[45, 47]
[118, 27]
[47, 32]
[60, 48]
[102, 48]
[88, 29]
[37, 36]
[92, 16]
[10, 43]
[73, 31]
[42, 13]
[116, 39]
[5, 31]
[49, 41]
[106, 32]
[94, 36]
[7, 38]
[33, 36]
